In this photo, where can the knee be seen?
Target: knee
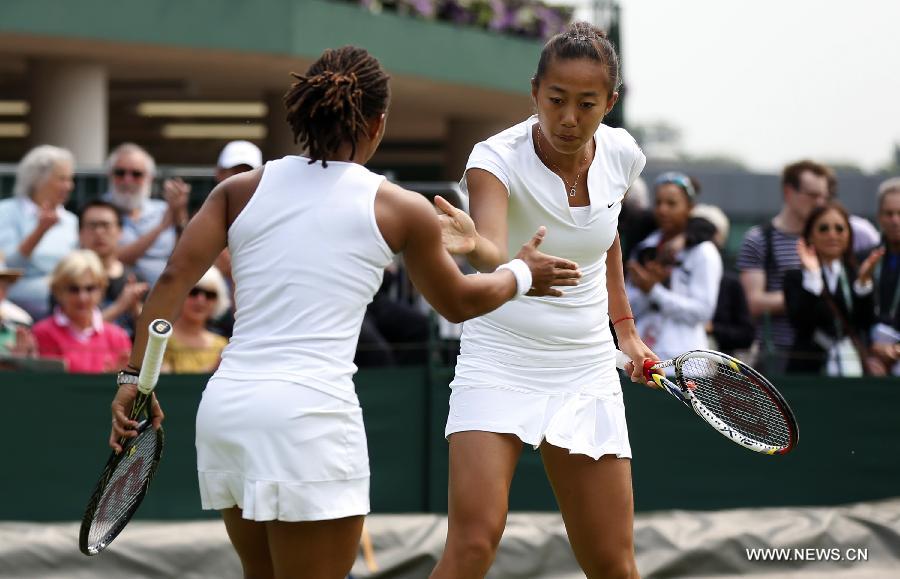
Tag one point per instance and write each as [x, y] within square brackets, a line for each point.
[475, 545]
[612, 566]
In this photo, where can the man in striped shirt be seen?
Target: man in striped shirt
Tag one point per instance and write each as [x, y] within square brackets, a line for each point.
[769, 250]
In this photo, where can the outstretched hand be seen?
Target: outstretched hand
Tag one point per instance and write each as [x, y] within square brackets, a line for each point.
[546, 270]
[457, 228]
[808, 257]
[868, 265]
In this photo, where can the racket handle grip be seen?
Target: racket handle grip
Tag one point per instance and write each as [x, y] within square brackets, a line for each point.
[648, 369]
[621, 359]
[158, 336]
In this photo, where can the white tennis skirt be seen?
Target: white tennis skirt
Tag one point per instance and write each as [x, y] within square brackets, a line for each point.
[579, 407]
[281, 451]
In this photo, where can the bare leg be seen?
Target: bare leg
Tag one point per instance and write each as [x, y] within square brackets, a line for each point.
[314, 549]
[597, 506]
[251, 543]
[481, 470]
[280, 550]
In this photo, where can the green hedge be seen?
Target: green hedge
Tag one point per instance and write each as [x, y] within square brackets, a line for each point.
[55, 429]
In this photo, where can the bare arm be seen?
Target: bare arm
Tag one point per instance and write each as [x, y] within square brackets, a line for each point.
[203, 240]
[620, 314]
[758, 299]
[129, 254]
[410, 225]
[488, 204]
[47, 218]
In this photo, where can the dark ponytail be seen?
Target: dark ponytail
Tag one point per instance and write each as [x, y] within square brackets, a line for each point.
[331, 104]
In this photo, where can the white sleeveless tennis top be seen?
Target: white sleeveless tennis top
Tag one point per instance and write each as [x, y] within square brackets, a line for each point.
[548, 331]
[307, 257]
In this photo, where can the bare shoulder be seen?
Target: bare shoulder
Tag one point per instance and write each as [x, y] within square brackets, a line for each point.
[237, 190]
[399, 212]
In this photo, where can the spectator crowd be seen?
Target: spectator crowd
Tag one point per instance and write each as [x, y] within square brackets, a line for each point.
[815, 289]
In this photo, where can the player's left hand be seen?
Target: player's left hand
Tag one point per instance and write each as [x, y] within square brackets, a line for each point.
[457, 228]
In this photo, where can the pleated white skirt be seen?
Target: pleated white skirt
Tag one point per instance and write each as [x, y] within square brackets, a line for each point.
[281, 451]
[578, 407]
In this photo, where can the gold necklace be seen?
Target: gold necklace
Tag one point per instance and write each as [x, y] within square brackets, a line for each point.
[556, 169]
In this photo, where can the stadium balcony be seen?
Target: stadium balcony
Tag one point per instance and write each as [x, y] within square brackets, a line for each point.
[92, 74]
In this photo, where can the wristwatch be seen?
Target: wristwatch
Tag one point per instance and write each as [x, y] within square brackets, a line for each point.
[126, 377]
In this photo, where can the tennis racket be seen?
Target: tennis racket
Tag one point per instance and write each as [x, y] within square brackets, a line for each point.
[125, 479]
[732, 397]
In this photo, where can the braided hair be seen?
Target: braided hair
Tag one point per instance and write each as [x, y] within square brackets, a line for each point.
[581, 40]
[331, 103]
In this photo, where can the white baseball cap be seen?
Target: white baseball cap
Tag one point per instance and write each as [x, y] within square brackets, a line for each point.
[240, 153]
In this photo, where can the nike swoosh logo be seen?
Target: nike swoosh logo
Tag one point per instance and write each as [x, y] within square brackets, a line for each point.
[611, 204]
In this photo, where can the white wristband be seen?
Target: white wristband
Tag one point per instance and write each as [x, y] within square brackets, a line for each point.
[522, 273]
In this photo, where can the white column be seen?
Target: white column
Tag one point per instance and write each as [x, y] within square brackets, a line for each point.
[70, 108]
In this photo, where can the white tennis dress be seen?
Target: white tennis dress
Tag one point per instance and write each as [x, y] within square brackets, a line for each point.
[279, 428]
[544, 368]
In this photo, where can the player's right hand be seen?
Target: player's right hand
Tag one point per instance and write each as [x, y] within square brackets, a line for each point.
[547, 271]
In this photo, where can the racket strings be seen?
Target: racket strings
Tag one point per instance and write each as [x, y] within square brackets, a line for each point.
[121, 494]
[739, 399]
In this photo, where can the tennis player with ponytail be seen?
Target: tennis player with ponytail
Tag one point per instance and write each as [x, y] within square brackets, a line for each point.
[281, 448]
[538, 371]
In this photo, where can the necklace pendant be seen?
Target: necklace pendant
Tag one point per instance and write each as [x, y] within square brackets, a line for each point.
[572, 191]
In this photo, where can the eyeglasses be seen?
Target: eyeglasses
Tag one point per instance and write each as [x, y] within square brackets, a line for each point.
[826, 227]
[208, 294]
[78, 289]
[99, 225]
[815, 195]
[135, 174]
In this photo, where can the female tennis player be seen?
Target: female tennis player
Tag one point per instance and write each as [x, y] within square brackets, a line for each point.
[281, 448]
[537, 371]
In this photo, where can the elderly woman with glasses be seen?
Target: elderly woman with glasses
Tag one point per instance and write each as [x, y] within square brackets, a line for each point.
[673, 276]
[829, 301]
[36, 231]
[193, 349]
[76, 332]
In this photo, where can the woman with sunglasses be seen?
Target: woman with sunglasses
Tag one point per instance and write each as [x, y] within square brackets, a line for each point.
[829, 302]
[674, 275]
[193, 349]
[76, 332]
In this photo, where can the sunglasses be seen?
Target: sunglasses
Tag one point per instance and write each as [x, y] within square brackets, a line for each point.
[676, 178]
[208, 294]
[826, 227]
[77, 289]
[120, 173]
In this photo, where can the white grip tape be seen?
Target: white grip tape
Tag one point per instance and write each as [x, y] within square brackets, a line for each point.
[621, 359]
[523, 275]
[160, 331]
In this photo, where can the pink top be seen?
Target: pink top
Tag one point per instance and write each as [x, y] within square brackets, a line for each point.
[102, 348]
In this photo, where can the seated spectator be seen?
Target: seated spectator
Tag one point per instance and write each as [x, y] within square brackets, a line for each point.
[192, 348]
[150, 227]
[673, 282]
[732, 327]
[865, 236]
[76, 332]
[885, 351]
[15, 336]
[36, 231]
[100, 229]
[829, 301]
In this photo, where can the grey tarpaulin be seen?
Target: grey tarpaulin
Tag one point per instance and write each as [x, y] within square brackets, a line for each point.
[668, 544]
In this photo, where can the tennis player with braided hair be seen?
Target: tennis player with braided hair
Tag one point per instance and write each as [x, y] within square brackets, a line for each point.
[281, 448]
[538, 371]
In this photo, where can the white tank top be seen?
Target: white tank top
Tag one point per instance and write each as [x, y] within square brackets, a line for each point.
[307, 258]
[576, 326]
